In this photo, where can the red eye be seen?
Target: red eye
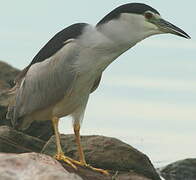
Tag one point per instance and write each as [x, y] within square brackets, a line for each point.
[148, 15]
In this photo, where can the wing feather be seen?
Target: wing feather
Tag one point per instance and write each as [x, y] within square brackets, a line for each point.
[46, 82]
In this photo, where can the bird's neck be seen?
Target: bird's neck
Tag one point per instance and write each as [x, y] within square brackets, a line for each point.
[108, 45]
[102, 48]
[123, 32]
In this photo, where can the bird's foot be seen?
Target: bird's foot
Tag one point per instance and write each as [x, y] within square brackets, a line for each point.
[84, 164]
[66, 159]
[73, 163]
[103, 171]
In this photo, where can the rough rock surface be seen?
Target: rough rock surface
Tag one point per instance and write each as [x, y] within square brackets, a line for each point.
[12, 141]
[42, 130]
[107, 153]
[32, 166]
[103, 152]
[180, 170]
[7, 75]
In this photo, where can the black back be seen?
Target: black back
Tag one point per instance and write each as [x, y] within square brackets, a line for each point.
[58, 41]
[134, 8]
[54, 45]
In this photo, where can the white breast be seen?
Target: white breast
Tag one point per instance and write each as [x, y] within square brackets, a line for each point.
[77, 96]
[96, 52]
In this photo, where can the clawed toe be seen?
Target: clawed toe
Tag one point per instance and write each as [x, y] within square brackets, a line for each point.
[84, 164]
[103, 171]
[66, 159]
[73, 163]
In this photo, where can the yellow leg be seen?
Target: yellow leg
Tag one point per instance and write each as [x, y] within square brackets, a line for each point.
[55, 122]
[78, 142]
[60, 155]
[81, 153]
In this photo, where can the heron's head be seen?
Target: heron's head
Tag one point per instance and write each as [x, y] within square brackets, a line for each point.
[134, 22]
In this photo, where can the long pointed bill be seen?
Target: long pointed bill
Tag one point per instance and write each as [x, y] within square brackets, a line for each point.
[167, 27]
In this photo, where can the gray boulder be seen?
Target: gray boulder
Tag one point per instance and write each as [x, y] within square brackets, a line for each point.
[107, 153]
[7, 75]
[12, 141]
[32, 166]
[123, 161]
[180, 170]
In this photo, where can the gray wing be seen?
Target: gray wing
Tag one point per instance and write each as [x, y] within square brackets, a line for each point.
[46, 82]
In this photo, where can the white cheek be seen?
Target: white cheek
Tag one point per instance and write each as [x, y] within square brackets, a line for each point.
[132, 20]
[138, 27]
[149, 26]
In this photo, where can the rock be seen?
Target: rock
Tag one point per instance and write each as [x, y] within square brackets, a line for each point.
[12, 141]
[130, 176]
[7, 75]
[42, 130]
[107, 153]
[180, 170]
[35, 166]
[3, 111]
[32, 166]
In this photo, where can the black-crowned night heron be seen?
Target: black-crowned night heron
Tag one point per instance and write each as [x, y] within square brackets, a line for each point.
[69, 67]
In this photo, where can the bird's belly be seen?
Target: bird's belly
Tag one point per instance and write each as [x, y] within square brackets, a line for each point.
[75, 98]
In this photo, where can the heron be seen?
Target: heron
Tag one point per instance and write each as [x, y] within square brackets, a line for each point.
[63, 74]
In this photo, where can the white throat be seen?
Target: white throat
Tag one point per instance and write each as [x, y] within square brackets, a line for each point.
[104, 43]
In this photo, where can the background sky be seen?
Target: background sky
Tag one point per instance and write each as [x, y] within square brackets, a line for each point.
[147, 97]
